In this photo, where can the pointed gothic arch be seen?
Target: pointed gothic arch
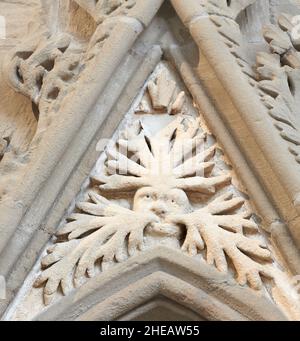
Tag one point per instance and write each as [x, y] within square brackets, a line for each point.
[123, 52]
[167, 274]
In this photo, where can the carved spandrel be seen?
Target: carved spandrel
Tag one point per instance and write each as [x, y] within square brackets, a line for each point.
[179, 195]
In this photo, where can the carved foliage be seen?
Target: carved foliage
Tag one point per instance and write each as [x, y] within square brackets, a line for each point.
[279, 78]
[176, 194]
[42, 68]
[103, 9]
[277, 72]
[161, 173]
[231, 34]
[162, 96]
[98, 40]
[227, 8]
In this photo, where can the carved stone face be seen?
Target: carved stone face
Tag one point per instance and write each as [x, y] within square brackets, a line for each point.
[161, 202]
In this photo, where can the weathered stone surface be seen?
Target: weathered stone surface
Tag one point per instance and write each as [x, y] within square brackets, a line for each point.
[126, 125]
[183, 281]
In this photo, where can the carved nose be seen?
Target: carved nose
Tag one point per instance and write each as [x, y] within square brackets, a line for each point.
[158, 210]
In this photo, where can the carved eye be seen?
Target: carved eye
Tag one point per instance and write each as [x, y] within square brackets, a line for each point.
[148, 196]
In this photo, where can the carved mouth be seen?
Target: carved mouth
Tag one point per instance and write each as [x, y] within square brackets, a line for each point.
[164, 229]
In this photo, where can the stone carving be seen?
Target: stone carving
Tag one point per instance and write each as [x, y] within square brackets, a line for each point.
[41, 69]
[279, 78]
[160, 180]
[100, 10]
[98, 40]
[225, 8]
[232, 36]
[161, 96]
[160, 174]
[161, 91]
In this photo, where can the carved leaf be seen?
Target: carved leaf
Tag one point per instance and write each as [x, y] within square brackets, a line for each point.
[99, 233]
[230, 33]
[162, 96]
[221, 232]
[29, 66]
[163, 159]
[279, 78]
[227, 8]
[42, 69]
[161, 91]
[102, 9]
